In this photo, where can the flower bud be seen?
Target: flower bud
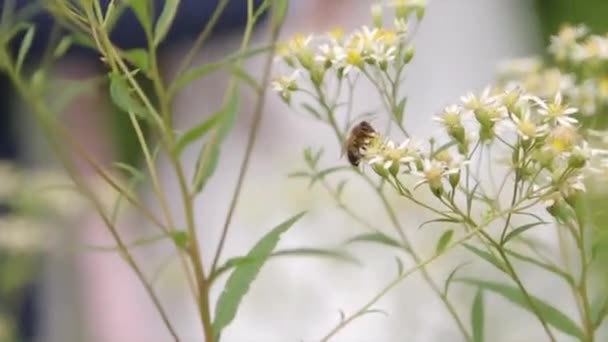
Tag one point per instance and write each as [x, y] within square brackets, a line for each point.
[376, 11]
[381, 171]
[306, 58]
[436, 188]
[317, 73]
[544, 157]
[409, 54]
[394, 169]
[454, 179]
[402, 9]
[577, 160]
[573, 198]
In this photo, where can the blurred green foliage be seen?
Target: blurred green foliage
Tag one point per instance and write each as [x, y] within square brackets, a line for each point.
[554, 13]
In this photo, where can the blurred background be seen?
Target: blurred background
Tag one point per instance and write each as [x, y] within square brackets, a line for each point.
[53, 289]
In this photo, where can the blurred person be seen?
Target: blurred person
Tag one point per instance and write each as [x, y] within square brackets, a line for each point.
[109, 306]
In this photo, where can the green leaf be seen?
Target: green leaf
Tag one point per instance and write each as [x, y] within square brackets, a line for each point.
[142, 12]
[210, 153]
[69, 90]
[340, 188]
[324, 173]
[399, 110]
[197, 132]
[311, 110]
[138, 58]
[63, 46]
[296, 252]
[206, 165]
[377, 237]
[26, 44]
[399, 266]
[443, 148]
[548, 267]
[299, 174]
[519, 230]
[440, 220]
[247, 79]
[120, 93]
[485, 255]
[477, 312]
[243, 275]
[130, 170]
[549, 313]
[198, 72]
[443, 241]
[279, 11]
[448, 281]
[165, 20]
[599, 310]
[181, 239]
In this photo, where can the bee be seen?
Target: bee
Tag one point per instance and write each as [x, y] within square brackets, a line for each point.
[357, 141]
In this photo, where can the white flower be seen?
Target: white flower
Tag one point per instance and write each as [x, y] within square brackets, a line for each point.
[383, 55]
[526, 128]
[433, 172]
[585, 96]
[555, 111]
[285, 85]
[299, 42]
[451, 116]
[331, 55]
[595, 47]
[401, 26]
[364, 39]
[388, 155]
[566, 39]
[520, 66]
[473, 102]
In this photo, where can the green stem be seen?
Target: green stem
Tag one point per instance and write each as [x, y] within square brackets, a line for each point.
[42, 116]
[258, 114]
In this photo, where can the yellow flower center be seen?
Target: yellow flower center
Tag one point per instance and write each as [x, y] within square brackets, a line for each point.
[527, 128]
[353, 57]
[337, 33]
[563, 138]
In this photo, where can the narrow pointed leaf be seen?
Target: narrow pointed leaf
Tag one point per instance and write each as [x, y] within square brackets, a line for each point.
[521, 229]
[443, 241]
[120, 94]
[243, 275]
[477, 313]
[165, 20]
[138, 58]
[448, 281]
[550, 314]
[197, 132]
[210, 153]
[548, 267]
[26, 44]
[379, 238]
[485, 255]
[142, 12]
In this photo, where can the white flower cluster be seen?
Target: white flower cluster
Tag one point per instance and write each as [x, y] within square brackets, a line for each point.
[367, 49]
[543, 136]
[575, 44]
[577, 69]
[409, 158]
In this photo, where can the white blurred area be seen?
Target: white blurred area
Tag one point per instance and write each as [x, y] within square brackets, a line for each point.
[458, 46]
